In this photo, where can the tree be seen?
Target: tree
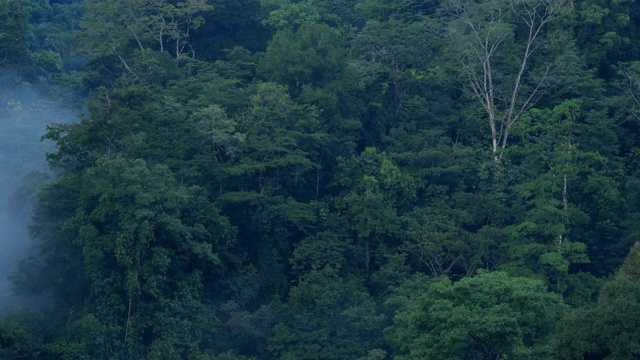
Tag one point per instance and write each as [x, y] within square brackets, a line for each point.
[146, 255]
[282, 146]
[489, 316]
[552, 161]
[232, 24]
[374, 190]
[312, 55]
[606, 33]
[288, 14]
[326, 317]
[312, 62]
[395, 61]
[487, 34]
[220, 132]
[291, 14]
[609, 330]
[14, 32]
[19, 337]
[117, 28]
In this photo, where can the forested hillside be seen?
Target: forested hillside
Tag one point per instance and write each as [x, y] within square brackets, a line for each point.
[329, 179]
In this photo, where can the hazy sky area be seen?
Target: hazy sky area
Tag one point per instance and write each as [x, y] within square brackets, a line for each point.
[24, 115]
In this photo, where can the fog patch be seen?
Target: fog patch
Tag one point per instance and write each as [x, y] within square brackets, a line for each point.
[25, 111]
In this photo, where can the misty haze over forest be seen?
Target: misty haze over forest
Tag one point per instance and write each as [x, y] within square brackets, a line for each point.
[24, 114]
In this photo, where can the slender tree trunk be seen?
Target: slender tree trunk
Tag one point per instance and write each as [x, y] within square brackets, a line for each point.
[488, 33]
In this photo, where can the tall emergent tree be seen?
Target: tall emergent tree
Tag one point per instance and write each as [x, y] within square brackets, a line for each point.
[118, 28]
[498, 41]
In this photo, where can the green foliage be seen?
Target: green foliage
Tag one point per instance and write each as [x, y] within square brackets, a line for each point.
[231, 24]
[264, 179]
[488, 316]
[605, 31]
[375, 192]
[290, 14]
[115, 27]
[553, 149]
[281, 143]
[609, 330]
[148, 248]
[19, 338]
[14, 30]
[326, 317]
[220, 131]
[394, 63]
[310, 55]
[54, 27]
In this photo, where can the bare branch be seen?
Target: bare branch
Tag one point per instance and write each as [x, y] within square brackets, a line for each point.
[489, 24]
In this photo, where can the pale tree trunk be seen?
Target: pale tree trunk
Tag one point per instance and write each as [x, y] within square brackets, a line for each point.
[126, 66]
[565, 207]
[487, 35]
[631, 74]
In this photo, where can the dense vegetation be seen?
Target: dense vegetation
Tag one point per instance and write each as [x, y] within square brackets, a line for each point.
[347, 179]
